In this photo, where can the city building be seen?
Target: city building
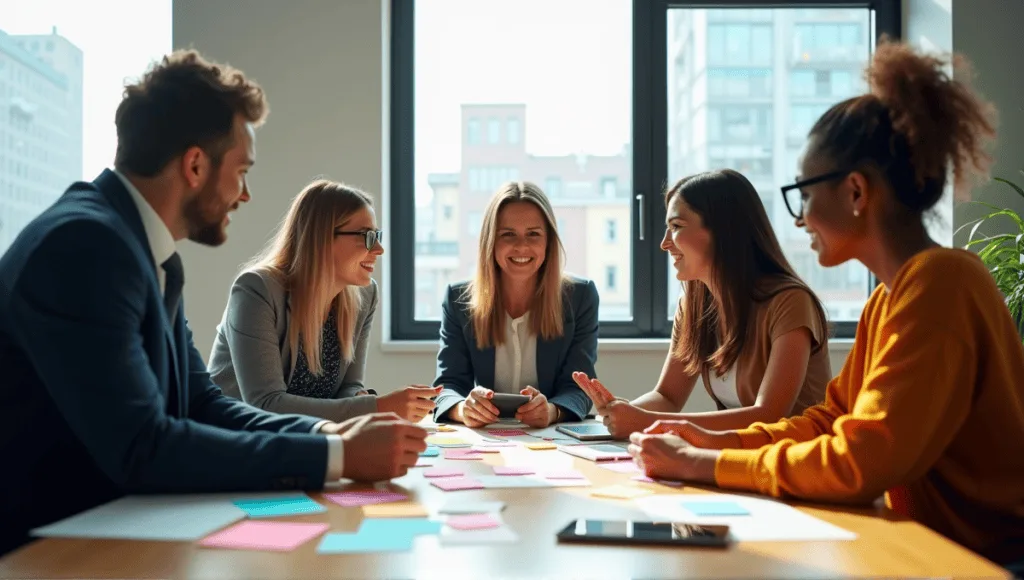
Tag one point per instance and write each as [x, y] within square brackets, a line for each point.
[40, 126]
[745, 86]
[590, 195]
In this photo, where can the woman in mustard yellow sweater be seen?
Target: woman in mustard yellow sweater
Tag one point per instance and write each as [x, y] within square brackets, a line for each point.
[929, 407]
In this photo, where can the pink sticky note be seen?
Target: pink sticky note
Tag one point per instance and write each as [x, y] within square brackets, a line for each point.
[466, 454]
[473, 522]
[253, 535]
[646, 479]
[564, 474]
[512, 470]
[443, 472]
[482, 449]
[506, 432]
[457, 483]
[620, 466]
[358, 498]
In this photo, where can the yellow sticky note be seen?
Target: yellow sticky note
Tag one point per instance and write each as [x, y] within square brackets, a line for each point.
[446, 429]
[541, 446]
[445, 441]
[395, 510]
[620, 492]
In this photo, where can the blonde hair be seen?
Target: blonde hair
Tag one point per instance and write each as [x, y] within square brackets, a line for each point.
[299, 256]
[484, 293]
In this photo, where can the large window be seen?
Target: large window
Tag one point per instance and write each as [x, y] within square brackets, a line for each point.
[62, 72]
[731, 86]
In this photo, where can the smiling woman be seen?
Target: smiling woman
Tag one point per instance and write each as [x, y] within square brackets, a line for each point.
[295, 331]
[521, 325]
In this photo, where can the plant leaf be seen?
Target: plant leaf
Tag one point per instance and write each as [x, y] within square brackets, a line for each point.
[1012, 185]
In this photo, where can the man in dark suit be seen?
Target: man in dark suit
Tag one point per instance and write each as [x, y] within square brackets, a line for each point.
[102, 392]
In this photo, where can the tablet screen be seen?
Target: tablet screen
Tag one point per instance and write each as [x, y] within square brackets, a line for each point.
[627, 531]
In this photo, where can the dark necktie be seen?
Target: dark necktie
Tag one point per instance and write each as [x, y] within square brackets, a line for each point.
[172, 287]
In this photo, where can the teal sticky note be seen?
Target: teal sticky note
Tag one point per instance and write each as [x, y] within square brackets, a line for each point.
[715, 508]
[284, 506]
[386, 527]
[431, 451]
[355, 543]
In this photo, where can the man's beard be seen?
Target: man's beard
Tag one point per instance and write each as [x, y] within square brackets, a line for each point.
[206, 224]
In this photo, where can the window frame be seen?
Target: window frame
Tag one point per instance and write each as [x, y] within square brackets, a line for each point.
[649, 164]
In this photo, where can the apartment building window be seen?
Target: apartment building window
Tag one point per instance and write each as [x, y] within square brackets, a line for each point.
[553, 186]
[512, 130]
[493, 131]
[734, 86]
[473, 131]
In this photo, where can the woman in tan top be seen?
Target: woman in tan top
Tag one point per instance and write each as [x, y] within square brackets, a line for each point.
[746, 324]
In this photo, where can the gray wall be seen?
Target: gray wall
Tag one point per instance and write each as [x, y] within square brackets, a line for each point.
[324, 66]
[989, 33]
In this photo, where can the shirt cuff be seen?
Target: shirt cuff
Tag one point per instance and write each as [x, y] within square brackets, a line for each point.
[741, 469]
[316, 428]
[335, 458]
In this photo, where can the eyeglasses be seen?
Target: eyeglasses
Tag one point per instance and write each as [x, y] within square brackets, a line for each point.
[795, 204]
[371, 237]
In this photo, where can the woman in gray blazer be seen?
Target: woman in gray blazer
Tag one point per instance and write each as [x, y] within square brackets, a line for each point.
[522, 326]
[294, 334]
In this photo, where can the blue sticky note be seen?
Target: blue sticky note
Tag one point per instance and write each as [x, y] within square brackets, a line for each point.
[715, 508]
[353, 543]
[381, 527]
[430, 451]
[284, 506]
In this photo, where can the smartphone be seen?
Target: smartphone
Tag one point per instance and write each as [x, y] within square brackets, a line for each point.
[508, 403]
[586, 432]
[645, 533]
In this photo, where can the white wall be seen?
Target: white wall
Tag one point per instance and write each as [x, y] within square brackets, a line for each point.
[323, 65]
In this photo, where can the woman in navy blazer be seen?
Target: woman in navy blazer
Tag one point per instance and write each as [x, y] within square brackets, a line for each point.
[521, 325]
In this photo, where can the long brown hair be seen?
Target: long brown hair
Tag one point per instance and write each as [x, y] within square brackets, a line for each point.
[914, 126]
[747, 266]
[299, 256]
[484, 293]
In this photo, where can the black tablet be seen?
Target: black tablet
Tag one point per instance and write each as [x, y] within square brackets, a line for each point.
[647, 533]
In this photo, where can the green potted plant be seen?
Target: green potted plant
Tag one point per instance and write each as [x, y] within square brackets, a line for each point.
[1002, 253]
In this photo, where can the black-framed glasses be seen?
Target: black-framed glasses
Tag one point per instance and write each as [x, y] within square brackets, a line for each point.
[795, 203]
[371, 237]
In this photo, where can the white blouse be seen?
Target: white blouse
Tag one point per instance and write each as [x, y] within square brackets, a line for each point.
[515, 361]
[724, 388]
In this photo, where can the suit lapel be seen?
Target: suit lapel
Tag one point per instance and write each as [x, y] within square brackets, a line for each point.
[551, 352]
[112, 188]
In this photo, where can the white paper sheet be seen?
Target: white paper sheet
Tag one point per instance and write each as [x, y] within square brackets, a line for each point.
[155, 517]
[769, 520]
[471, 507]
[515, 481]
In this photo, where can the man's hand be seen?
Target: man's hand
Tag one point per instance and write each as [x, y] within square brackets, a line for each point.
[380, 446]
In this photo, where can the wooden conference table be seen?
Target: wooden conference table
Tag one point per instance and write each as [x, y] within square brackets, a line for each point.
[886, 546]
